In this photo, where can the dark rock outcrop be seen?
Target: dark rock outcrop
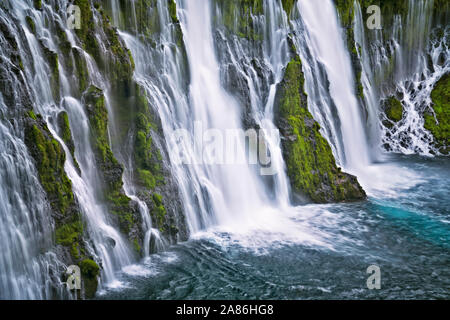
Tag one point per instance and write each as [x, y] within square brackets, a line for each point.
[311, 166]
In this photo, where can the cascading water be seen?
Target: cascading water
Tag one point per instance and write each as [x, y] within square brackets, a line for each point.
[230, 196]
[190, 68]
[25, 226]
[327, 45]
[87, 183]
[270, 59]
[407, 67]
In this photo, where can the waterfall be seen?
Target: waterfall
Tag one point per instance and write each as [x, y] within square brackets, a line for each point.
[327, 46]
[107, 244]
[371, 92]
[233, 190]
[27, 269]
[205, 86]
[406, 65]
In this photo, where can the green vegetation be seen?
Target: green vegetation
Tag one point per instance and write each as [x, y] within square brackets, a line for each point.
[288, 5]
[173, 11]
[89, 268]
[66, 135]
[159, 211]
[111, 169]
[311, 166]
[147, 158]
[37, 4]
[86, 32]
[237, 17]
[70, 235]
[393, 109]
[52, 59]
[50, 158]
[30, 24]
[80, 69]
[439, 123]
[90, 272]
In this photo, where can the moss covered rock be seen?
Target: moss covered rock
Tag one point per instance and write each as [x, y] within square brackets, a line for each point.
[346, 13]
[117, 61]
[66, 135]
[111, 169]
[393, 110]
[52, 59]
[50, 158]
[90, 272]
[237, 17]
[288, 5]
[311, 166]
[438, 122]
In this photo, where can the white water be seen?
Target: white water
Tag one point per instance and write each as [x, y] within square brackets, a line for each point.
[327, 45]
[107, 245]
[407, 68]
[25, 226]
[234, 191]
[233, 197]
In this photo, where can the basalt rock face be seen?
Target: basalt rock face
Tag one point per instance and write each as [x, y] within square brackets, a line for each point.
[311, 166]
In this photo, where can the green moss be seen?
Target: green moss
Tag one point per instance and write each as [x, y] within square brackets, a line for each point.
[120, 64]
[147, 179]
[64, 125]
[98, 118]
[66, 135]
[89, 268]
[69, 233]
[50, 159]
[81, 69]
[173, 10]
[32, 115]
[288, 5]
[30, 24]
[394, 109]
[37, 4]
[20, 63]
[86, 32]
[137, 246]
[65, 46]
[147, 16]
[147, 158]
[159, 211]
[111, 170]
[237, 17]
[311, 166]
[439, 123]
[90, 272]
[52, 59]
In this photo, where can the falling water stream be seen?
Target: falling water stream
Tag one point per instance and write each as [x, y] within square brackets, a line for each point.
[247, 240]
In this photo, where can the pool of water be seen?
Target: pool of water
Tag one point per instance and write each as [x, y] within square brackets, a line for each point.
[324, 254]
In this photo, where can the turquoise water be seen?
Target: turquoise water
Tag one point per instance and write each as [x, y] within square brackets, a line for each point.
[406, 234]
